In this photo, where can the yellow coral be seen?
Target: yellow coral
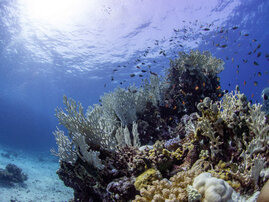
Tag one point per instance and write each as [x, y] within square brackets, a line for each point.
[173, 190]
[146, 178]
[176, 154]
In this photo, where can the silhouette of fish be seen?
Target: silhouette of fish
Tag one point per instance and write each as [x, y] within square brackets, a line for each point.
[255, 63]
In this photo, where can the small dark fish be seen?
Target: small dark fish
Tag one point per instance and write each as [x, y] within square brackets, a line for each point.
[143, 70]
[246, 34]
[132, 75]
[134, 91]
[114, 70]
[138, 67]
[234, 28]
[206, 29]
[254, 40]
[259, 54]
[245, 61]
[112, 78]
[142, 63]
[221, 31]
[259, 73]
[249, 53]
[162, 52]
[223, 46]
[254, 51]
[153, 73]
[180, 45]
[154, 61]
[140, 75]
[255, 63]
[259, 45]
[120, 83]
[267, 55]
[255, 83]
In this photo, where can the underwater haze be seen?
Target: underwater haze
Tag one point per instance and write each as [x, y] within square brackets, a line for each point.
[82, 49]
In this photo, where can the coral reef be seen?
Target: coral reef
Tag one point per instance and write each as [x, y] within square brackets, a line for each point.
[150, 143]
[12, 175]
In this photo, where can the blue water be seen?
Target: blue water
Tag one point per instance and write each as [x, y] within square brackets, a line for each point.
[91, 47]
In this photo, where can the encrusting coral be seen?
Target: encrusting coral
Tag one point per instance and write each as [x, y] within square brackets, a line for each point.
[156, 139]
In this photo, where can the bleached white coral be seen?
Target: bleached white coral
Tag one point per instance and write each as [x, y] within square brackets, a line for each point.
[124, 105]
[212, 189]
[257, 122]
[123, 136]
[86, 154]
[231, 103]
[66, 151]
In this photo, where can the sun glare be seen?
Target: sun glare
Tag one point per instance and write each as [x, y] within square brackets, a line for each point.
[54, 12]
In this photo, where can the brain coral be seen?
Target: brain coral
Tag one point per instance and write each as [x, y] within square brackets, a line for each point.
[212, 189]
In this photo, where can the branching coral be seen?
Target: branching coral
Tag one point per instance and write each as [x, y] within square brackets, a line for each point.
[235, 132]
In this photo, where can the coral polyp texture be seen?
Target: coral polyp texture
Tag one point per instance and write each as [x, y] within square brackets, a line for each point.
[179, 138]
